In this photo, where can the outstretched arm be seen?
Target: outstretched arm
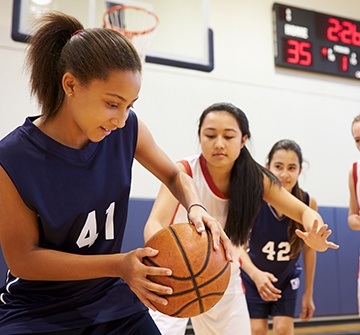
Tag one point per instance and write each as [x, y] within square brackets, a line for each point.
[162, 212]
[316, 232]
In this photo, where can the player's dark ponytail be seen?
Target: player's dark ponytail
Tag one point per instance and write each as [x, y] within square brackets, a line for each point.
[61, 44]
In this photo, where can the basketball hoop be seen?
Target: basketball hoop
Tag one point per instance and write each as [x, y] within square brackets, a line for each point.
[136, 23]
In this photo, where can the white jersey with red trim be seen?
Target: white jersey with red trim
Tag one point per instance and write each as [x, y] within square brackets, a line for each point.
[214, 201]
[230, 315]
[356, 174]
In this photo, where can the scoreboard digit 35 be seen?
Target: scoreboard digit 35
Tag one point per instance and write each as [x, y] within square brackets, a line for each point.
[311, 41]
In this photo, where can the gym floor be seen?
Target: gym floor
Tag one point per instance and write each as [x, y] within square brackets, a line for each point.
[329, 327]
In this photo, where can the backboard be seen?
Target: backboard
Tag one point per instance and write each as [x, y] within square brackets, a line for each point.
[182, 39]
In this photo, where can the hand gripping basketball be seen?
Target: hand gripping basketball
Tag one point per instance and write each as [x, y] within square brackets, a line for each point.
[200, 274]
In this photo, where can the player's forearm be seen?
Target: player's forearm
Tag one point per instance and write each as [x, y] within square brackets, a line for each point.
[247, 265]
[46, 264]
[162, 213]
[354, 221]
[184, 189]
[308, 218]
[309, 267]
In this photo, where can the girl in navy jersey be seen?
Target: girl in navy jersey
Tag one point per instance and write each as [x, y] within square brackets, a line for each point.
[232, 186]
[65, 179]
[274, 248]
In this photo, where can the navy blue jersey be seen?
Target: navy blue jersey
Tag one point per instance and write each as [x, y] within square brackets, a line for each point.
[269, 247]
[81, 199]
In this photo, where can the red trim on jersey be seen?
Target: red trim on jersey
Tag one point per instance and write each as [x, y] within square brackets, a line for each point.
[355, 176]
[189, 172]
[173, 218]
[209, 180]
[187, 167]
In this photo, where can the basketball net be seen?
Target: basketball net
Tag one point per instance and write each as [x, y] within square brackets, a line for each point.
[136, 23]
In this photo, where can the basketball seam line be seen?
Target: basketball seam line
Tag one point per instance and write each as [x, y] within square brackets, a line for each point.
[189, 267]
[203, 284]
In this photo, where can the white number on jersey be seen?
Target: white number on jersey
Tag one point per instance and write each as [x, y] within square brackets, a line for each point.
[89, 234]
[282, 254]
[109, 225]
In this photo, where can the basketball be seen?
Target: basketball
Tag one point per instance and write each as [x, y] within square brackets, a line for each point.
[200, 275]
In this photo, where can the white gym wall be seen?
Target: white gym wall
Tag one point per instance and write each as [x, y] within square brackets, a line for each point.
[314, 110]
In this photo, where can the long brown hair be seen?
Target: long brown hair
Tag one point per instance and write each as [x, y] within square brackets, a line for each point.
[246, 180]
[289, 145]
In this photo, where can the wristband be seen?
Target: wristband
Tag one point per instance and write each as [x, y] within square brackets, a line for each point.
[193, 205]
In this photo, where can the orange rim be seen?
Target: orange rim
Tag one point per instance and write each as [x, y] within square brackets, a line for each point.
[128, 33]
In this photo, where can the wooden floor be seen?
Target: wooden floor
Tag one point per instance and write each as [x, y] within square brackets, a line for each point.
[342, 327]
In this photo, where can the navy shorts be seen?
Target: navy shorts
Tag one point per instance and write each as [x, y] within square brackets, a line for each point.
[260, 309]
[138, 324]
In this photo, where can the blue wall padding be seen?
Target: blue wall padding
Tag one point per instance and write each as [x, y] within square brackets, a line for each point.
[335, 287]
[139, 210]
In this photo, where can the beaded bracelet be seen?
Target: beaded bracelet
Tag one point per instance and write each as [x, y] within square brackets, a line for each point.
[191, 206]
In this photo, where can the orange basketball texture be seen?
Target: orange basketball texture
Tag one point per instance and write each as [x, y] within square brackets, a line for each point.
[200, 275]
